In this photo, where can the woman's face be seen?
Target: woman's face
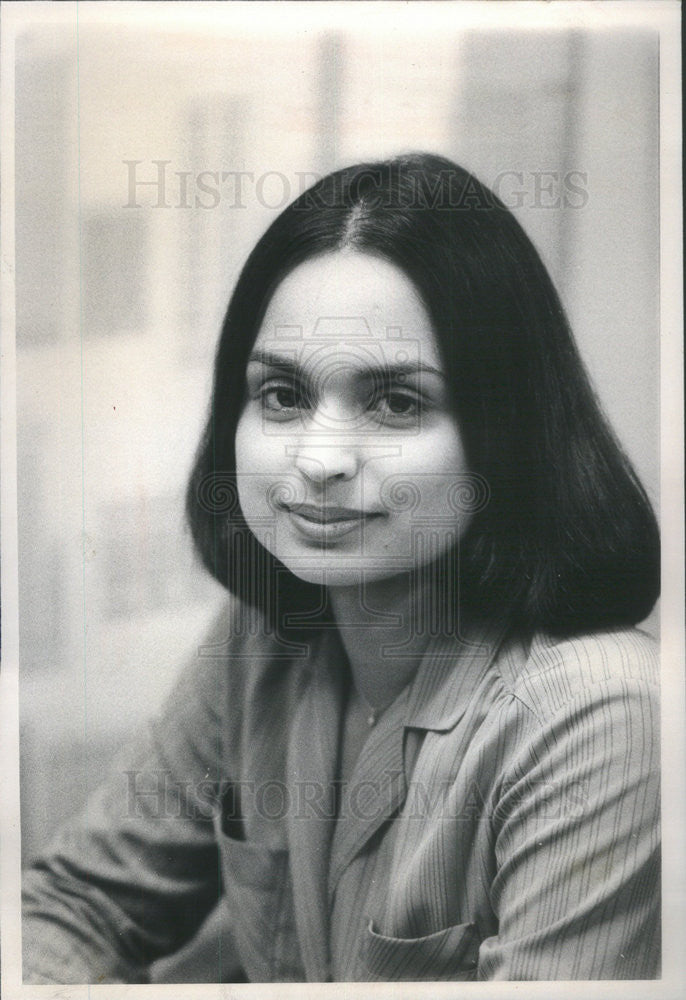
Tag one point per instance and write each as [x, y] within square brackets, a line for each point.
[349, 459]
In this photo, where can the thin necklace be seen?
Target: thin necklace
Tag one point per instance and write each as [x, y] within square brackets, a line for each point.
[372, 714]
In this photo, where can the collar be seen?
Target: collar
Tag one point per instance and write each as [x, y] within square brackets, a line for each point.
[450, 671]
[448, 674]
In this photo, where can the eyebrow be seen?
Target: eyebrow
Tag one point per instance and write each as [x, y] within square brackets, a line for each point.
[286, 363]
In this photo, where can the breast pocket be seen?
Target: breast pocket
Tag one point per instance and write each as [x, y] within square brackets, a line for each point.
[258, 894]
[450, 954]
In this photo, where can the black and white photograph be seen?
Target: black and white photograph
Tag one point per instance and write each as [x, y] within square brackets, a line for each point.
[342, 500]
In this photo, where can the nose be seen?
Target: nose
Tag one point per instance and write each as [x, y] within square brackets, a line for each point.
[323, 462]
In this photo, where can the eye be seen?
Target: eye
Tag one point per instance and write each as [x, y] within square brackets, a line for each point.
[400, 402]
[282, 400]
[281, 397]
[397, 405]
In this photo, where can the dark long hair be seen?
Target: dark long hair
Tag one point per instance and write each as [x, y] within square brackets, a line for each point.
[568, 542]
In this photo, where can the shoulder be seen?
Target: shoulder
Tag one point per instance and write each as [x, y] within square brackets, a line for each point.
[581, 709]
[556, 673]
[237, 654]
[238, 687]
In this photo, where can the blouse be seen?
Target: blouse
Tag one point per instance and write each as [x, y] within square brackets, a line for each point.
[501, 821]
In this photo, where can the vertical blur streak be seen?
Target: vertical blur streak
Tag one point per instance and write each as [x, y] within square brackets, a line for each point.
[331, 80]
[571, 131]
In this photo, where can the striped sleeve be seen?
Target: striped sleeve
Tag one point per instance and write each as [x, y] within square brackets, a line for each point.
[576, 891]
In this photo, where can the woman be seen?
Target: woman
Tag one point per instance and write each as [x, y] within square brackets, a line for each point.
[424, 733]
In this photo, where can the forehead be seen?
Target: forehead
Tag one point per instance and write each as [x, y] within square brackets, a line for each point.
[349, 298]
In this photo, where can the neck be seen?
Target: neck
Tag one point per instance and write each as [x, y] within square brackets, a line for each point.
[377, 623]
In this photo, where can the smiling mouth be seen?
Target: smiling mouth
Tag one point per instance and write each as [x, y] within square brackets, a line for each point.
[327, 523]
[328, 515]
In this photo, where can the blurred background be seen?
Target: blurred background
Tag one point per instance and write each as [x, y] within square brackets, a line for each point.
[148, 161]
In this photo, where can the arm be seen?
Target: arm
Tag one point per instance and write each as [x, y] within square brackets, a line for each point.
[135, 875]
[577, 843]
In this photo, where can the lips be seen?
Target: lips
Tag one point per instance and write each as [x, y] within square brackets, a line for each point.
[327, 523]
[327, 515]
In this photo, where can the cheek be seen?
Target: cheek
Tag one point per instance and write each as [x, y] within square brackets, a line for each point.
[436, 456]
[434, 467]
[251, 464]
[257, 451]
[244, 445]
[262, 469]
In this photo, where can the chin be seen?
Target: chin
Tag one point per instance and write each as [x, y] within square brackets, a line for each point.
[344, 574]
